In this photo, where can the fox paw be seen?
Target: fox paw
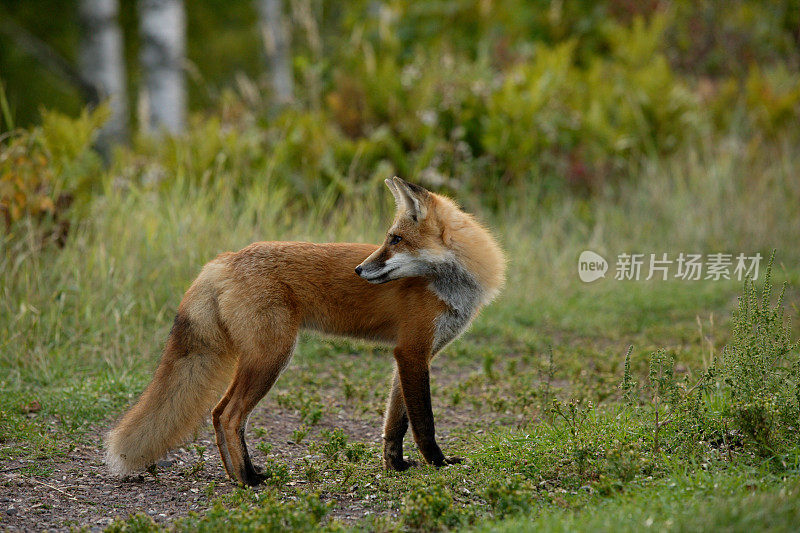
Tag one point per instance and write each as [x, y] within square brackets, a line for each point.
[399, 464]
[254, 477]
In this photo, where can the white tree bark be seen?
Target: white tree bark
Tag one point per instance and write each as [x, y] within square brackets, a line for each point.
[163, 33]
[102, 64]
[274, 29]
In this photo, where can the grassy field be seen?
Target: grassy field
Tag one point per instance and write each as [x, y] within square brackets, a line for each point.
[531, 396]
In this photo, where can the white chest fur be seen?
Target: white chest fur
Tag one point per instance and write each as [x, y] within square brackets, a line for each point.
[449, 325]
[462, 293]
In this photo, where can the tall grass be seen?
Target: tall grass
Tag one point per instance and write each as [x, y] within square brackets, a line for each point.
[103, 304]
[727, 196]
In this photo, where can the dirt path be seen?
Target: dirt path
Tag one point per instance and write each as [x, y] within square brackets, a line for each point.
[81, 493]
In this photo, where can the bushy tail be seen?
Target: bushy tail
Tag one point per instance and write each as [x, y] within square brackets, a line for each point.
[185, 386]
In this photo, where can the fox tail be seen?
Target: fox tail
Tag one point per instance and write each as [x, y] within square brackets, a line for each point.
[189, 379]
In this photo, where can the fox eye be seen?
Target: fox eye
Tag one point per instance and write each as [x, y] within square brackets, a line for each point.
[395, 239]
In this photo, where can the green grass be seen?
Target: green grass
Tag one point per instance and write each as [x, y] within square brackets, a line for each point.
[722, 501]
[81, 329]
[530, 480]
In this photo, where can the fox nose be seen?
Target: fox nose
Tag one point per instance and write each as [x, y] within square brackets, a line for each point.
[359, 269]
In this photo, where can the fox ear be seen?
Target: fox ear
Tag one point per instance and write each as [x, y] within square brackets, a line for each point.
[414, 198]
[393, 189]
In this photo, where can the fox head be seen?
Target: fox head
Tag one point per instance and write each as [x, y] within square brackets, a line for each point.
[431, 234]
[412, 239]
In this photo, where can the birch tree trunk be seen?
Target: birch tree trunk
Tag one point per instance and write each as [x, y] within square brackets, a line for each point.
[163, 33]
[102, 64]
[274, 29]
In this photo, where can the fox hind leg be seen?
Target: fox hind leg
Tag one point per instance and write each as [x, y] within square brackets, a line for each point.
[255, 374]
[216, 420]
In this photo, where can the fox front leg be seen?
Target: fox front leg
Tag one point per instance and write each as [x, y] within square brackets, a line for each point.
[415, 384]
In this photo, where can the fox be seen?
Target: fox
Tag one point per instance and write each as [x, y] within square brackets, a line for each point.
[236, 329]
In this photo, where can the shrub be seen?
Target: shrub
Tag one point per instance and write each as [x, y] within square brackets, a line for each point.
[47, 169]
[589, 123]
[428, 508]
[26, 180]
[508, 498]
[760, 370]
[335, 442]
[247, 510]
[754, 385]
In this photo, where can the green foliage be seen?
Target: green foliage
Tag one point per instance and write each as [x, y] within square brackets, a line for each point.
[488, 364]
[625, 462]
[310, 471]
[334, 443]
[276, 473]
[511, 99]
[772, 98]
[589, 122]
[726, 38]
[726, 502]
[43, 171]
[577, 415]
[429, 508]
[760, 369]
[509, 497]
[662, 382]
[68, 141]
[311, 413]
[553, 118]
[355, 452]
[247, 510]
[628, 385]
[755, 385]
[224, 45]
[137, 523]
[300, 433]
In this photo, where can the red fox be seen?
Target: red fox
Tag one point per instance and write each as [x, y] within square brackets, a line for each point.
[240, 318]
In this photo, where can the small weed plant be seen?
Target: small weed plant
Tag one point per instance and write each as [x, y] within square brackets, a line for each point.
[760, 371]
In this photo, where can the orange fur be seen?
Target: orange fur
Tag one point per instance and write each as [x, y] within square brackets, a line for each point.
[243, 312]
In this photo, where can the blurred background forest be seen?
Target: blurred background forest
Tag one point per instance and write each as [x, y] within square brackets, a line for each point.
[501, 98]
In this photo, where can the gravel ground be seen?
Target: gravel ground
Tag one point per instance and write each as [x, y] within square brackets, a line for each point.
[80, 492]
